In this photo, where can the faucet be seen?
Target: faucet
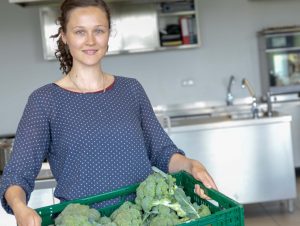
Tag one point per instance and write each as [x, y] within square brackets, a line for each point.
[254, 108]
[269, 104]
[229, 96]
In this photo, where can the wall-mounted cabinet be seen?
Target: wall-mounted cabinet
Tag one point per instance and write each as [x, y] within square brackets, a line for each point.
[138, 26]
[178, 24]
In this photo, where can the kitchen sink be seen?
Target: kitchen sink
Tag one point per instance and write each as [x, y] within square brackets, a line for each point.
[184, 120]
[211, 113]
[192, 120]
[249, 115]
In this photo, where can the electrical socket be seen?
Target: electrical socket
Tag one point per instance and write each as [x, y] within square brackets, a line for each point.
[187, 82]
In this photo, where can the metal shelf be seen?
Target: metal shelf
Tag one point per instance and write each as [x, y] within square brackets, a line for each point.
[282, 49]
[181, 13]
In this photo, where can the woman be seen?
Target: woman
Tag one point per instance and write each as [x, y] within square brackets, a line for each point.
[97, 130]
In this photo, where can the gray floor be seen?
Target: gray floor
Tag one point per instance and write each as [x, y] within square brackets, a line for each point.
[273, 213]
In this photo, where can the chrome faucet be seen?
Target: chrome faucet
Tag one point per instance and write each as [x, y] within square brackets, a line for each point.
[254, 108]
[229, 96]
[269, 104]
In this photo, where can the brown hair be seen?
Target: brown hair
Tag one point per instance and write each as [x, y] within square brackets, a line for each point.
[63, 53]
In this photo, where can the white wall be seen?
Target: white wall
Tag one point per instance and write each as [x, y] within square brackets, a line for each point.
[229, 46]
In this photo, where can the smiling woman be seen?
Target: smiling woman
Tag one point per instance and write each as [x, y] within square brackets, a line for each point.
[101, 21]
[87, 35]
[83, 41]
[98, 131]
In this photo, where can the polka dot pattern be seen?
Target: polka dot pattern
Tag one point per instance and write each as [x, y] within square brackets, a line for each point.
[94, 142]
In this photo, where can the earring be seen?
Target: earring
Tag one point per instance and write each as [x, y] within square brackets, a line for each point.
[66, 48]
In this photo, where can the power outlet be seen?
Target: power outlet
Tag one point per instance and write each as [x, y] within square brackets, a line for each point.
[187, 82]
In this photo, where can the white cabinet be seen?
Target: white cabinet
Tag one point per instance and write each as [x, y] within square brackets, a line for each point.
[178, 24]
[138, 26]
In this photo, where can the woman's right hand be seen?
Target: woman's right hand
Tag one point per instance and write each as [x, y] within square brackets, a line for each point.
[26, 216]
[16, 199]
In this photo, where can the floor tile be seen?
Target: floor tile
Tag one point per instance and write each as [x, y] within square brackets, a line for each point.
[281, 215]
[256, 215]
[273, 213]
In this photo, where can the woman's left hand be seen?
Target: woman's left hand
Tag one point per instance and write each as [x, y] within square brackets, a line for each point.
[200, 173]
[196, 169]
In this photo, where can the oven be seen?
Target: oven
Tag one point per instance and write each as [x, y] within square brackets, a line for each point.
[279, 50]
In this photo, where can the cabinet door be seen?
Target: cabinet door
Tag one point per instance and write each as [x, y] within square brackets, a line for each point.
[134, 27]
[293, 109]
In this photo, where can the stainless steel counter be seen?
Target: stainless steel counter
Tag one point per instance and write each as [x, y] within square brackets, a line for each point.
[223, 122]
[251, 159]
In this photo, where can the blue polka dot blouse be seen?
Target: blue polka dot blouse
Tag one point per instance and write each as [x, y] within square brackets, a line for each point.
[94, 142]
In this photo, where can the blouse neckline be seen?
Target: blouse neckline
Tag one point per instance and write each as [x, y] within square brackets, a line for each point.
[110, 87]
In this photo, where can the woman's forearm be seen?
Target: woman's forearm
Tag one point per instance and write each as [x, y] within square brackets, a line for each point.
[15, 197]
[179, 162]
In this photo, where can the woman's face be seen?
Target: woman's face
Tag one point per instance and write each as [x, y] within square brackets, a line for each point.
[87, 34]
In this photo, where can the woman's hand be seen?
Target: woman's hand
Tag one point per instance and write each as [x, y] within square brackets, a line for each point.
[26, 216]
[199, 172]
[16, 199]
[196, 169]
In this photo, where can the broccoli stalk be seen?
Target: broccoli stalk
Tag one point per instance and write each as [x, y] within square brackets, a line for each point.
[174, 206]
[183, 205]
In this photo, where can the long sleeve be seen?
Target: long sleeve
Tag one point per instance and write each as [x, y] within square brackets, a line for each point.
[159, 146]
[30, 148]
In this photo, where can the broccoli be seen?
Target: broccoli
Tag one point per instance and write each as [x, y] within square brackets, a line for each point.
[159, 201]
[104, 220]
[78, 215]
[162, 215]
[202, 210]
[153, 189]
[161, 189]
[128, 214]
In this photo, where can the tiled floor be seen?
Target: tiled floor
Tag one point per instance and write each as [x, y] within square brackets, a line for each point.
[273, 213]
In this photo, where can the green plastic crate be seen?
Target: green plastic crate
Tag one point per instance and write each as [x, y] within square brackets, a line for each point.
[225, 211]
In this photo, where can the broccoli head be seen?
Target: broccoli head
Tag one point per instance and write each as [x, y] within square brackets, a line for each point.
[162, 215]
[78, 215]
[202, 210]
[128, 214]
[161, 189]
[154, 188]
